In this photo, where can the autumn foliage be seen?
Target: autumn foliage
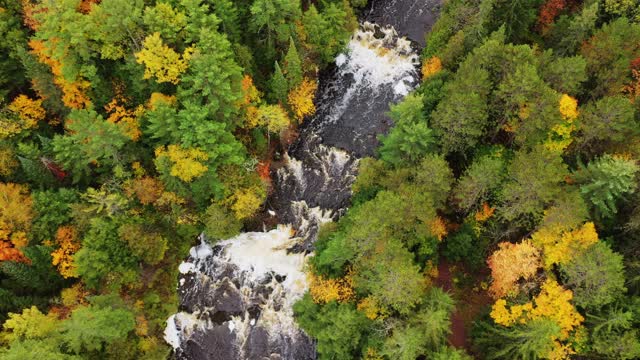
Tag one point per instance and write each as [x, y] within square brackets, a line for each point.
[26, 115]
[549, 11]
[301, 99]
[127, 118]
[438, 228]
[561, 135]
[554, 303]
[68, 245]
[186, 163]
[510, 263]
[15, 220]
[146, 189]
[323, 290]
[371, 308]
[560, 246]
[485, 213]
[74, 92]
[431, 66]
[161, 61]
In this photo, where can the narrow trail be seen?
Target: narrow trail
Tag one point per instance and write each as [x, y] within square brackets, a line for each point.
[458, 336]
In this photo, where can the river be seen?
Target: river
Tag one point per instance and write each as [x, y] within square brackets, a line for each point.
[236, 296]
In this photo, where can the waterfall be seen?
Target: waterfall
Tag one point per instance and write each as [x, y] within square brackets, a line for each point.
[236, 296]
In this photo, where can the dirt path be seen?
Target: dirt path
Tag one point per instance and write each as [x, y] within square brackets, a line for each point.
[458, 336]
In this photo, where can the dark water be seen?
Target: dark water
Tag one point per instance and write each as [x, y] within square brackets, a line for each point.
[236, 296]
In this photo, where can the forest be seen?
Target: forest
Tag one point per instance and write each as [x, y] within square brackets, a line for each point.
[500, 218]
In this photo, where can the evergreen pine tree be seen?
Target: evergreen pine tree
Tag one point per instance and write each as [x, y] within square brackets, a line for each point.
[293, 66]
[279, 89]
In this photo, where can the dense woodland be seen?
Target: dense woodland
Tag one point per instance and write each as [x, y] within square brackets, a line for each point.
[128, 127]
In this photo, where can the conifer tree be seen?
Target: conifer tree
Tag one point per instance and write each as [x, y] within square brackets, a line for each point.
[278, 83]
[292, 66]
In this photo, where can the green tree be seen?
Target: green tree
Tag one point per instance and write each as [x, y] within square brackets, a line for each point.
[36, 349]
[613, 332]
[606, 180]
[604, 123]
[90, 328]
[293, 66]
[391, 277]
[480, 181]
[530, 341]
[340, 330]
[145, 243]
[609, 53]
[426, 331]
[220, 223]
[273, 22]
[568, 34]
[518, 16]
[12, 74]
[596, 277]
[528, 106]
[464, 245]
[212, 66]
[410, 139]
[102, 253]
[229, 16]
[565, 74]
[461, 127]
[166, 20]
[328, 31]
[535, 181]
[406, 143]
[23, 285]
[80, 150]
[115, 27]
[450, 353]
[278, 85]
[53, 210]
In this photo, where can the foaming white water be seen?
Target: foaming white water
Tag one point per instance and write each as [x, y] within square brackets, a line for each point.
[254, 259]
[309, 217]
[179, 326]
[293, 167]
[259, 254]
[334, 161]
[376, 57]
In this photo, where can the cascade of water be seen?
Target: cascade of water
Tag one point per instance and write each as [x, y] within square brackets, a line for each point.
[236, 296]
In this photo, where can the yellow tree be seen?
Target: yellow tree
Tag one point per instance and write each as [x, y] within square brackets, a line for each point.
[30, 324]
[301, 99]
[185, 164]
[62, 257]
[560, 245]
[553, 303]
[161, 61]
[324, 290]
[8, 161]
[560, 135]
[250, 96]
[273, 117]
[431, 66]
[15, 213]
[510, 263]
[160, 98]
[127, 118]
[26, 115]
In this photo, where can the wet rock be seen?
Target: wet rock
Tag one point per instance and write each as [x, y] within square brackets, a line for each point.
[216, 343]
